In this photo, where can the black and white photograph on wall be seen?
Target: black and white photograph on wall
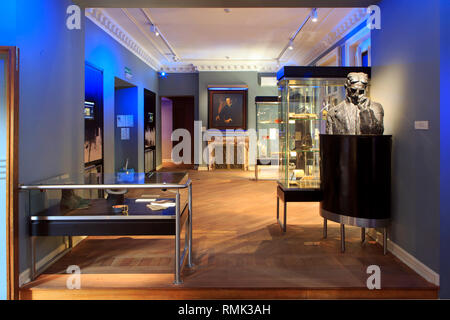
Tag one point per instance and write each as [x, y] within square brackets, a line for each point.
[227, 109]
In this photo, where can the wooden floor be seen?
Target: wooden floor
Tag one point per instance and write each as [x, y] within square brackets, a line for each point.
[239, 252]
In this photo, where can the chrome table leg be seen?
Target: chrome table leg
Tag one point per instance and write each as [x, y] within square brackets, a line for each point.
[190, 264]
[177, 239]
[342, 237]
[278, 208]
[363, 235]
[33, 258]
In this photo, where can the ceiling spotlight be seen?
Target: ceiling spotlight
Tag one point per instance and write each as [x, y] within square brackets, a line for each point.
[291, 45]
[314, 15]
[175, 58]
[154, 29]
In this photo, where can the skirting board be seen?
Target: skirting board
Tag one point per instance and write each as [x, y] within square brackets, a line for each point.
[25, 276]
[412, 262]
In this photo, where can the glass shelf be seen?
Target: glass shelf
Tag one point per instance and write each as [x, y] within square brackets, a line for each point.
[303, 109]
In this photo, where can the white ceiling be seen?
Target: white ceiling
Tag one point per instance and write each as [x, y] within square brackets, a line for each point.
[244, 38]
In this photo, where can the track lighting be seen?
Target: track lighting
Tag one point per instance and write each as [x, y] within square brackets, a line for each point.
[154, 29]
[314, 15]
[291, 45]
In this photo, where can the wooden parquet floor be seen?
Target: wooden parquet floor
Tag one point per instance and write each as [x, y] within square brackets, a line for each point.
[237, 245]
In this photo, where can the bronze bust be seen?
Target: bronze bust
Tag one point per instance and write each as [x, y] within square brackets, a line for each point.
[357, 114]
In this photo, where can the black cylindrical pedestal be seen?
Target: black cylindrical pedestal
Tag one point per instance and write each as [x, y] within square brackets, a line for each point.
[356, 179]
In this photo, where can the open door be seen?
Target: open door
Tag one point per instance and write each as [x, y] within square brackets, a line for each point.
[9, 131]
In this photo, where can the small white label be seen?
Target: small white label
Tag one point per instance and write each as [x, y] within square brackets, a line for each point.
[421, 125]
[125, 133]
[125, 120]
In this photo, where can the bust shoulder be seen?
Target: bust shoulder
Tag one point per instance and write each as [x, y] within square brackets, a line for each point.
[376, 107]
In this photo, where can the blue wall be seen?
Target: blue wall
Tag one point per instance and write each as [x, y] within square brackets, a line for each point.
[445, 150]
[405, 80]
[105, 53]
[8, 23]
[51, 93]
[126, 103]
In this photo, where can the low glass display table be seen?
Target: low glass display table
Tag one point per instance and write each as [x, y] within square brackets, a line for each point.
[157, 203]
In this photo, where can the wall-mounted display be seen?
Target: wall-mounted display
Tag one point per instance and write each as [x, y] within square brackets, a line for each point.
[89, 108]
[149, 131]
[227, 109]
[93, 119]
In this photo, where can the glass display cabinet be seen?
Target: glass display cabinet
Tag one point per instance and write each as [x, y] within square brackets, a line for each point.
[121, 204]
[306, 95]
[304, 106]
[267, 126]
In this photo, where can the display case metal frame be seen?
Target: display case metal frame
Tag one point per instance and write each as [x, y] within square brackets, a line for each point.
[307, 74]
[120, 225]
[274, 102]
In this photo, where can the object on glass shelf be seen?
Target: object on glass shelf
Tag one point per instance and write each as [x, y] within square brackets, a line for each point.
[70, 201]
[267, 127]
[121, 208]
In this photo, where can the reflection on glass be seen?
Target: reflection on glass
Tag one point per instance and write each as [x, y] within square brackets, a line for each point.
[303, 110]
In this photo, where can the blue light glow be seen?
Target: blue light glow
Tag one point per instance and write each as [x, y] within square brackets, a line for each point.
[227, 89]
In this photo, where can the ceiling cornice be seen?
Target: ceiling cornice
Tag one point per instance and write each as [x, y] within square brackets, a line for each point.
[115, 30]
[218, 66]
[338, 33]
[226, 3]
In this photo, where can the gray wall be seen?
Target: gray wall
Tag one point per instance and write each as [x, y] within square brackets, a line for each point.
[405, 77]
[178, 85]
[51, 120]
[249, 78]
[105, 53]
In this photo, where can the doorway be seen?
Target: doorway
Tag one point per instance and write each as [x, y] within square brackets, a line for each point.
[149, 131]
[176, 113]
[9, 277]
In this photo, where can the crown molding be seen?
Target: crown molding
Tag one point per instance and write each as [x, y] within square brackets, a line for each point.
[115, 30]
[220, 66]
[339, 32]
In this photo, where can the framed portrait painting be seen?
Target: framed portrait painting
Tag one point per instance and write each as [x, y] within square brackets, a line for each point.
[227, 109]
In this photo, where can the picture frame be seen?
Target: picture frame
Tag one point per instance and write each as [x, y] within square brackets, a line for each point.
[227, 109]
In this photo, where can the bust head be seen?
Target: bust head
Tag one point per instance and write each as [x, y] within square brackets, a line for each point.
[228, 101]
[356, 87]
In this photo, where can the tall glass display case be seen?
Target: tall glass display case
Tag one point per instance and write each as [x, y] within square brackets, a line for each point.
[306, 94]
[267, 126]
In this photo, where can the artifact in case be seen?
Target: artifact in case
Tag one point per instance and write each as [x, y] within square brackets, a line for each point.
[306, 95]
[267, 127]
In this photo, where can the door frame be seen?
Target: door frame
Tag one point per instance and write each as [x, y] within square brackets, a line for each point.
[12, 173]
[172, 97]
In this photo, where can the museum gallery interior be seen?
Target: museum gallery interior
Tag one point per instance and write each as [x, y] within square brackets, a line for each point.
[198, 151]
